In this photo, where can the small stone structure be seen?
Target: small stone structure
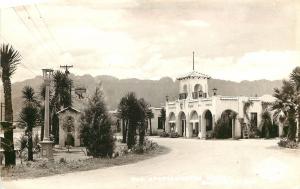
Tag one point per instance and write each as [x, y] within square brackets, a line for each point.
[69, 124]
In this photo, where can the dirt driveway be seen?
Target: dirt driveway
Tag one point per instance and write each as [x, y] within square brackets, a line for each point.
[191, 163]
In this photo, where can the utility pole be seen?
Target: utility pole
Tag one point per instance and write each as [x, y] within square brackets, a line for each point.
[66, 67]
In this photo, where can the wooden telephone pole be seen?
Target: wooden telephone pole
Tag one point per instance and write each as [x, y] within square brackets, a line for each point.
[66, 67]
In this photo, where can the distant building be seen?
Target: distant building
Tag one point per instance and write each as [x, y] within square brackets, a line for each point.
[196, 110]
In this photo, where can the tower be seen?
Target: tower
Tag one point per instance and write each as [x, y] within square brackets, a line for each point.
[193, 85]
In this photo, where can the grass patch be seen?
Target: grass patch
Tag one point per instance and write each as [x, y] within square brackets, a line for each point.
[45, 168]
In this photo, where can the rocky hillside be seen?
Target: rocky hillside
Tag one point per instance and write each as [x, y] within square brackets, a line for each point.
[153, 91]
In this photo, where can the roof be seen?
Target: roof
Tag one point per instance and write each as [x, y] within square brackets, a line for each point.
[68, 108]
[194, 74]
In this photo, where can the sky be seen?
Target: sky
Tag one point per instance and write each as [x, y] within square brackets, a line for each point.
[149, 39]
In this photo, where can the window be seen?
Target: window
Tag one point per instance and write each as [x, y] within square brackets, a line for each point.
[253, 119]
[160, 123]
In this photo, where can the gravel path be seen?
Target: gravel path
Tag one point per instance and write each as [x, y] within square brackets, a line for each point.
[191, 163]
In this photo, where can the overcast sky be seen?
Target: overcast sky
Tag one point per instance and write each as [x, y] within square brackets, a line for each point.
[233, 40]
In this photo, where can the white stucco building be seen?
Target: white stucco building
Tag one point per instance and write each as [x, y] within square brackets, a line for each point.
[196, 111]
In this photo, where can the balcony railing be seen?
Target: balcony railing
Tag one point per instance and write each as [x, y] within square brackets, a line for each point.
[182, 96]
[199, 94]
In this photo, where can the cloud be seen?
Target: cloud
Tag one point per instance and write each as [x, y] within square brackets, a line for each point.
[195, 23]
[233, 40]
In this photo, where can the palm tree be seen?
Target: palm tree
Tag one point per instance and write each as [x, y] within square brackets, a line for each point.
[60, 97]
[123, 115]
[150, 116]
[143, 105]
[285, 104]
[266, 124]
[29, 115]
[295, 80]
[163, 117]
[10, 58]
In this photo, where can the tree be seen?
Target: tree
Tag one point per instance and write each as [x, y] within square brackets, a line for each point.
[123, 115]
[266, 124]
[133, 111]
[285, 105]
[163, 117]
[142, 120]
[61, 99]
[96, 127]
[150, 116]
[10, 58]
[29, 115]
[295, 81]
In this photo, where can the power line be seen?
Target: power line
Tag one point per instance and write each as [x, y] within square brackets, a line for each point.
[23, 22]
[35, 25]
[47, 27]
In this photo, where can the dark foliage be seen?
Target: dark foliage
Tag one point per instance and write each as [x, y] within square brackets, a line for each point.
[96, 131]
[29, 115]
[10, 58]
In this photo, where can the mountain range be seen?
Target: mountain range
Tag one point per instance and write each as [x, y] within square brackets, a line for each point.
[153, 91]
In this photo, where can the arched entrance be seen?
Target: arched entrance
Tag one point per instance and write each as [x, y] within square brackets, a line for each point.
[194, 124]
[172, 122]
[225, 126]
[207, 124]
[182, 124]
[208, 120]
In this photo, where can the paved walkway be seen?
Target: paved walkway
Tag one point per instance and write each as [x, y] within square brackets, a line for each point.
[192, 163]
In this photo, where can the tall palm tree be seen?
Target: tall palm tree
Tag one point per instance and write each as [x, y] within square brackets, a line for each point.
[123, 115]
[10, 58]
[285, 104]
[295, 80]
[29, 114]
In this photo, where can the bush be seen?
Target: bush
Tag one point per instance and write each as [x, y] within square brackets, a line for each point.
[164, 134]
[223, 129]
[174, 135]
[286, 143]
[147, 146]
[96, 130]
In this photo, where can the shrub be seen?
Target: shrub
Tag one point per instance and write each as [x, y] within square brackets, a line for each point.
[286, 143]
[174, 135]
[164, 134]
[96, 130]
[62, 160]
[147, 146]
[223, 128]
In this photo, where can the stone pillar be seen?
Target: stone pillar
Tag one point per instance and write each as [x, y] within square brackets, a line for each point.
[178, 126]
[233, 128]
[199, 125]
[167, 125]
[237, 129]
[190, 129]
[203, 129]
[46, 144]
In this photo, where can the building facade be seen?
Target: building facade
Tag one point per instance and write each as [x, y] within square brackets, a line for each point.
[195, 112]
